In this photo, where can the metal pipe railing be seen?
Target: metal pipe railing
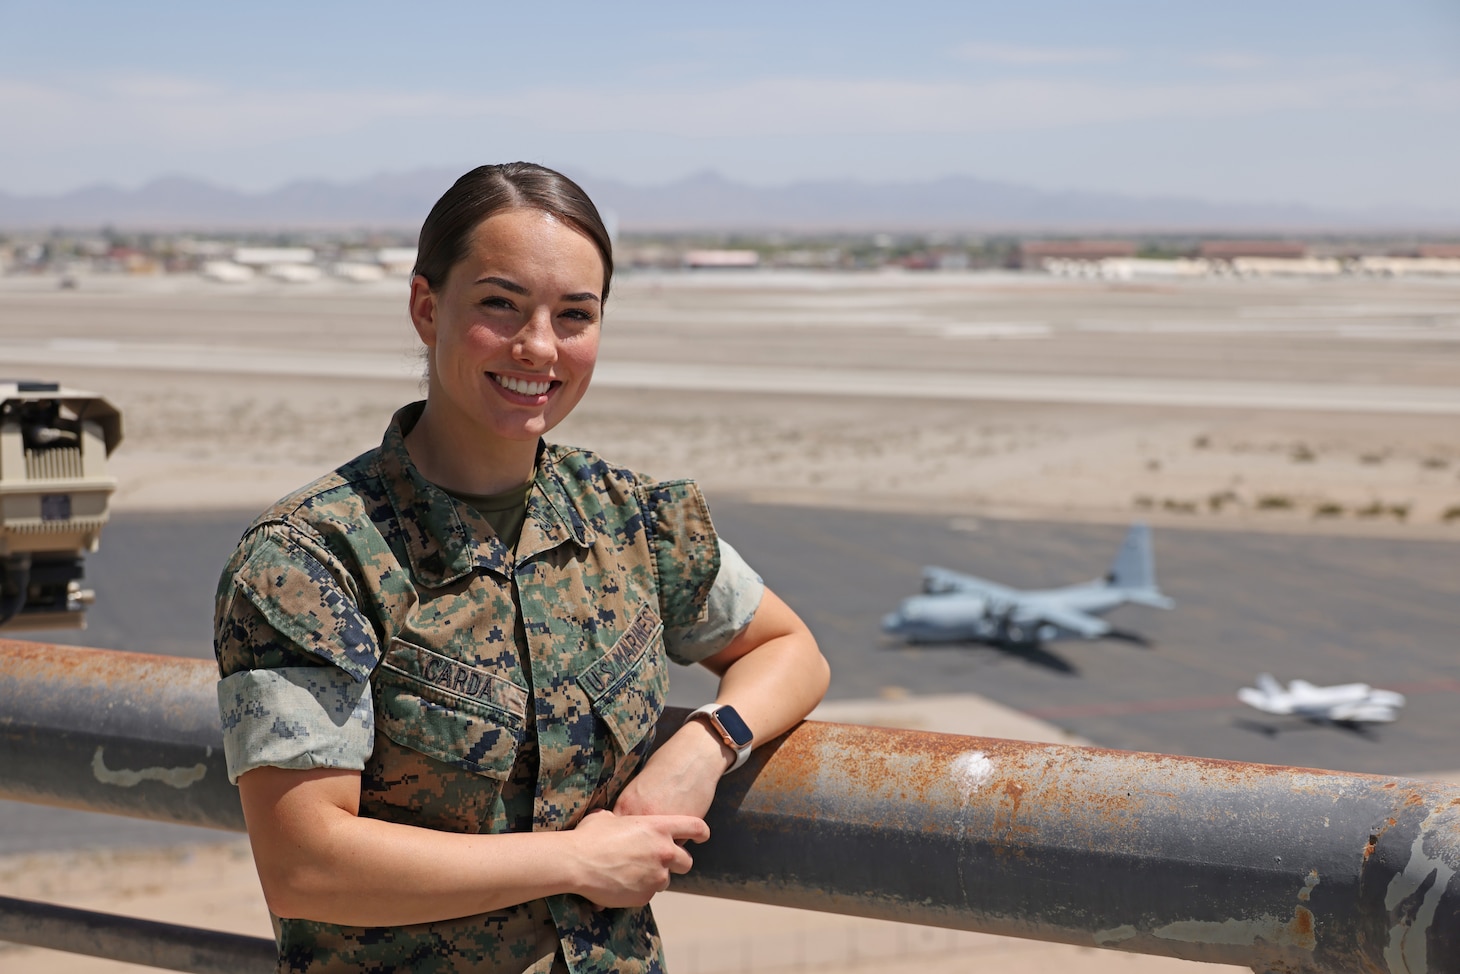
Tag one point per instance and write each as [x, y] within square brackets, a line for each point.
[132, 941]
[1281, 869]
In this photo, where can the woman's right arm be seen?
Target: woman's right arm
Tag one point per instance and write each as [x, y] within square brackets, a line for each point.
[318, 860]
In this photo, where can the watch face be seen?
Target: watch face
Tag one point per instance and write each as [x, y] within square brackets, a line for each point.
[732, 725]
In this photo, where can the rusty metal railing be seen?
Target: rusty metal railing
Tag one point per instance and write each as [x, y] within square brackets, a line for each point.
[133, 941]
[1278, 869]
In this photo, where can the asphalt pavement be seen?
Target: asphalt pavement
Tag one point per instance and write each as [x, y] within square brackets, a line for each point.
[1327, 609]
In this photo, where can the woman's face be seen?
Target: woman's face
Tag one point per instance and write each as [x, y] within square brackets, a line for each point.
[512, 333]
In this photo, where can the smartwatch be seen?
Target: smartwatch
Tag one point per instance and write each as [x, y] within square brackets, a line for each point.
[724, 721]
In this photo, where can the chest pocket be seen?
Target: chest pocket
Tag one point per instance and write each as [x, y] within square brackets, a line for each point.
[628, 684]
[462, 715]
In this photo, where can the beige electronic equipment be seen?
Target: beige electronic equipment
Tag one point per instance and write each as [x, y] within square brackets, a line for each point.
[54, 490]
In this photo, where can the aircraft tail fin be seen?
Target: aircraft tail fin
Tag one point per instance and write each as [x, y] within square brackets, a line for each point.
[1268, 685]
[1135, 567]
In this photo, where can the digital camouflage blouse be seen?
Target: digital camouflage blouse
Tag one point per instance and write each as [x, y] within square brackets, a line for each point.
[371, 622]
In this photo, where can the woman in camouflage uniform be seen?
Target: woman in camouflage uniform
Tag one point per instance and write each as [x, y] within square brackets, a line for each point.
[442, 663]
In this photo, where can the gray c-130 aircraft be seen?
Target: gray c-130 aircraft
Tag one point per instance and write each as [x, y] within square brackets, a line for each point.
[964, 608]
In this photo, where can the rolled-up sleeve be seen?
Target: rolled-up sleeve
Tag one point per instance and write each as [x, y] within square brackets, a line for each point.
[297, 717]
[732, 602]
[295, 656]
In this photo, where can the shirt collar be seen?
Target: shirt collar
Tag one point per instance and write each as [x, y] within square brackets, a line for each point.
[445, 539]
[553, 516]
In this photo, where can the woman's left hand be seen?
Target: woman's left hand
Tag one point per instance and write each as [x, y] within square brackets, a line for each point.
[680, 777]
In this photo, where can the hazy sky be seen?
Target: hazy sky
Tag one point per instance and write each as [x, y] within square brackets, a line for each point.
[1346, 103]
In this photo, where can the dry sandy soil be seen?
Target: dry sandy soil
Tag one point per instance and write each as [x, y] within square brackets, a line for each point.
[1272, 405]
[1070, 400]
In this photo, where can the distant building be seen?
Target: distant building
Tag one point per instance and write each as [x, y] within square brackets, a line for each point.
[272, 256]
[292, 265]
[1132, 268]
[1233, 249]
[291, 273]
[1286, 266]
[727, 259]
[226, 271]
[398, 261]
[1407, 266]
[357, 271]
[1034, 254]
[1443, 251]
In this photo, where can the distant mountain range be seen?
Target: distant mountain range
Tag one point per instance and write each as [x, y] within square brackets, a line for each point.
[702, 202]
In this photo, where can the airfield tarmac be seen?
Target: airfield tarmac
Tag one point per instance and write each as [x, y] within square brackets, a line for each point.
[1296, 444]
[1378, 610]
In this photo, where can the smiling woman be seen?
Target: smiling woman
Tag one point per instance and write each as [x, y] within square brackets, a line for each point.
[442, 664]
[511, 337]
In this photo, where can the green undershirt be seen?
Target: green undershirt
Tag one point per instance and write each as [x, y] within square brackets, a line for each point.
[505, 511]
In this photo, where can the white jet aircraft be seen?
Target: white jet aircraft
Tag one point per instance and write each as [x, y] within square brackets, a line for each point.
[1346, 703]
[959, 608]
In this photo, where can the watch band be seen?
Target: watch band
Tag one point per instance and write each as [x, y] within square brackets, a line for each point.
[726, 722]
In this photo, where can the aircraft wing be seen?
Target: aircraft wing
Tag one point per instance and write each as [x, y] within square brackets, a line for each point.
[1363, 712]
[1267, 702]
[1073, 620]
[940, 580]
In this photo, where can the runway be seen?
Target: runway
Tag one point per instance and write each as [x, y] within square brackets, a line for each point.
[1323, 608]
[879, 383]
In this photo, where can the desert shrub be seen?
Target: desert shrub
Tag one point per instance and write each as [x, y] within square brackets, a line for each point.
[1328, 509]
[1274, 502]
[1221, 499]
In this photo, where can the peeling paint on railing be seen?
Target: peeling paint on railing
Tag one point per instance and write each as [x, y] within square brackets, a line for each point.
[125, 778]
[1109, 938]
[1413, 900]
[1297, 932]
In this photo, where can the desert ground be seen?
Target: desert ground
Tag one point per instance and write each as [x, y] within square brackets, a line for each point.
[1274, 405]
[1291, 405]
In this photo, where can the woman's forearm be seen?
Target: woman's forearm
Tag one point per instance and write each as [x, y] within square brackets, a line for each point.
[777, 681]
[364, 872]
[318, 860]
